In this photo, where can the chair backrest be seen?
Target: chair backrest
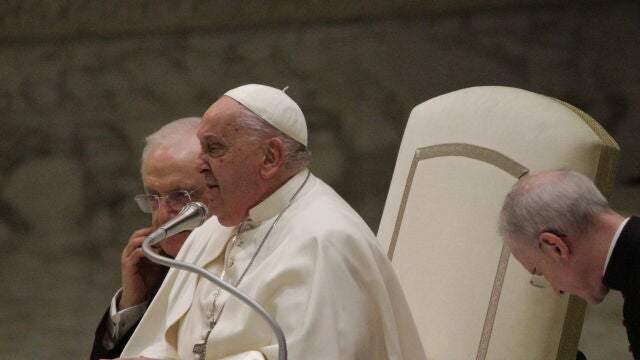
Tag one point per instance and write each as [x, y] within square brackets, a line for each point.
[460, 154]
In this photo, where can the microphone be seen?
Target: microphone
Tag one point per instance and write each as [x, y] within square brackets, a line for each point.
[190, 217]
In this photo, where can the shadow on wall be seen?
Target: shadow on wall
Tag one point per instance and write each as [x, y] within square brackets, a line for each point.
[66, 211]
[77, 199]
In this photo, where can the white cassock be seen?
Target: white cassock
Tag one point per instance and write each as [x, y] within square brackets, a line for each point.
[321, 274]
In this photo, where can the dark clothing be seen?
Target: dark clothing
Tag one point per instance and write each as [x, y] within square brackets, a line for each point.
[99, 351]
[623, 274]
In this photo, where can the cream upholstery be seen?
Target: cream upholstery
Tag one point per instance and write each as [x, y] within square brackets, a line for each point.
[459, 156]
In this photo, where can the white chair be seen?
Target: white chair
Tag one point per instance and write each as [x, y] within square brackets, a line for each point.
[460, 154]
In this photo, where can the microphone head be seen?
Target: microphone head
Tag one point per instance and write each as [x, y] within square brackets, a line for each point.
[190, 217]
[200, 208]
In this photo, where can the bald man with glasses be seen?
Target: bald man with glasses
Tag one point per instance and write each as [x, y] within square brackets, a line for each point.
[171, 179]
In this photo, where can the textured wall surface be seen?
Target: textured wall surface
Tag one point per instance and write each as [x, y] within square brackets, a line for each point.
[78, 94]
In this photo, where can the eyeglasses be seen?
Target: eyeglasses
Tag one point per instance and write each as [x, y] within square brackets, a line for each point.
[175, 200]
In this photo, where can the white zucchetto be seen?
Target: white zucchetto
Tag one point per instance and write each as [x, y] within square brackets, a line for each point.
[275, 107]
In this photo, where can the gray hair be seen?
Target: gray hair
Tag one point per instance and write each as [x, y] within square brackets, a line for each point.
[171, 133]
[296, 155]
[562, 201]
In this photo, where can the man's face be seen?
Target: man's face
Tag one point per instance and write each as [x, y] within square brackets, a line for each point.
[563, 276]
[231, 163]
[168, 169]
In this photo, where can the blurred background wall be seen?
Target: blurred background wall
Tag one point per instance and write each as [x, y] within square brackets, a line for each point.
[82, 83]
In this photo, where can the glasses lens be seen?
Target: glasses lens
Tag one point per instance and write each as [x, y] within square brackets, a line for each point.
[144, 202]
[175, 200]
[178, 199]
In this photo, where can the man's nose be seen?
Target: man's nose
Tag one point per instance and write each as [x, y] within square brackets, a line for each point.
[201, 164]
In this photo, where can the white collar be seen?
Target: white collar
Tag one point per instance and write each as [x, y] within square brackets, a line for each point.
[278, 201]
[614, 241]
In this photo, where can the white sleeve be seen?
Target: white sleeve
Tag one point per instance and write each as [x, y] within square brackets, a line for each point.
[123, 320]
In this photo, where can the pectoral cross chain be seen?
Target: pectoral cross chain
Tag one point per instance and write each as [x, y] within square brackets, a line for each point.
[200, 349]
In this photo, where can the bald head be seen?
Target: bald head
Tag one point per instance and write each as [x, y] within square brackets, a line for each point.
[178, 135]
[563, 201]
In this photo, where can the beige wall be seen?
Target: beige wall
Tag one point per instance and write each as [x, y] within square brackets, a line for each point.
[82, 83]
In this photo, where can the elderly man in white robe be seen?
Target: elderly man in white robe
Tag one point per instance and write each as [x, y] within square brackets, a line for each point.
[286, 239]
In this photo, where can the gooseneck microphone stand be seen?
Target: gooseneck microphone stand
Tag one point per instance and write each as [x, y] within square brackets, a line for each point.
[191, 216]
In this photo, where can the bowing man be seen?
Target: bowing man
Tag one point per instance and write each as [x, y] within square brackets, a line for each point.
[558, 225]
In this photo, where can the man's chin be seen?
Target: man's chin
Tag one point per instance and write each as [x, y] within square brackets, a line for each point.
[597, 299]
[594, 300]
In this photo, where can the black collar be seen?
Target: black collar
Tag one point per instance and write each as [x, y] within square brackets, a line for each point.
[623, 256]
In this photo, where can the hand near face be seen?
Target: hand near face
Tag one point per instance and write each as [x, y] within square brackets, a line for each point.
[139, 274]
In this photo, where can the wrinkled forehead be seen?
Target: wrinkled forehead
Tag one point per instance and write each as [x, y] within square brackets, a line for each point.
[167, 173]
[166, 159]
[220, 120]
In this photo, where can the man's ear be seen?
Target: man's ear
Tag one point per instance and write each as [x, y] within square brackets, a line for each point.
[554, 245]
[273, 158]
